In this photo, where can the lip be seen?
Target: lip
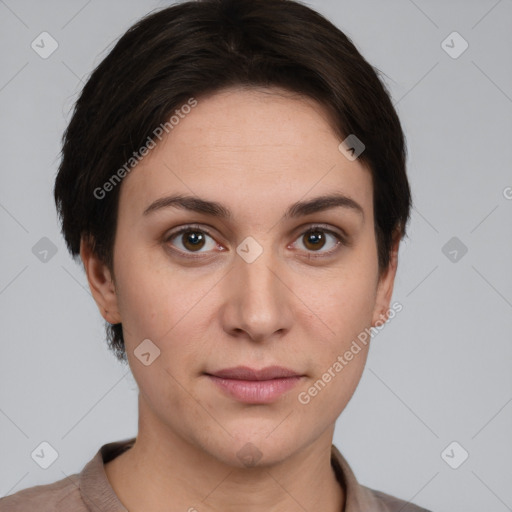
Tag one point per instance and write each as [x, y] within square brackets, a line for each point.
[255, 386]
[247, 373]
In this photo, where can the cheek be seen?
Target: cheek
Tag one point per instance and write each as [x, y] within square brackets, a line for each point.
[337, 358]
[343, 300]
[149, 303]
[169, 397]
[170, 309]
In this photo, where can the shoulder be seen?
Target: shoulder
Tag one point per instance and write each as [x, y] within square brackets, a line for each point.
[63, 495]
[362, 498]
[390, 503]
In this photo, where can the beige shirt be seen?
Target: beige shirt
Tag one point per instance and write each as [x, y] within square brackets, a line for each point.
[90, 490]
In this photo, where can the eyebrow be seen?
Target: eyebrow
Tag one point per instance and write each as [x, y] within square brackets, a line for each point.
[215, 209]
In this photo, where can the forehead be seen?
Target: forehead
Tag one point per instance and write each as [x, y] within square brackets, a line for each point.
[250, 148]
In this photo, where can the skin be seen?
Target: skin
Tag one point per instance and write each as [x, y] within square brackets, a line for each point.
[257, 152]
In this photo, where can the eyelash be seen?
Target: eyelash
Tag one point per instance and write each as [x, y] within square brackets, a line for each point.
[341, 239]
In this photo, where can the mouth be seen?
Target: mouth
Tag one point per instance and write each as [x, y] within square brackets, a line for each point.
[253, 386]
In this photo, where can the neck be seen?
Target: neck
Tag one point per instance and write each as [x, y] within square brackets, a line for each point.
[162, 468]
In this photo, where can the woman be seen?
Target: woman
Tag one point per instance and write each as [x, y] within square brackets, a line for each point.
[233, 179]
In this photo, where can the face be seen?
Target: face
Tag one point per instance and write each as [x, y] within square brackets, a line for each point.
[270, 284]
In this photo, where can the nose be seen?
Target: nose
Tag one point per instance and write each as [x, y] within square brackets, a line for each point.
[258, 300]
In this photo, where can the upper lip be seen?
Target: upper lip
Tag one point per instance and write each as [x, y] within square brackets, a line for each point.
[246, 373]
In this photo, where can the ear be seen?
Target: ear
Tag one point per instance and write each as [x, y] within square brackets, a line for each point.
[101, 283]
[385, 285]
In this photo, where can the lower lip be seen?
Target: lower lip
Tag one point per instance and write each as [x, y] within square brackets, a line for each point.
[255, 391]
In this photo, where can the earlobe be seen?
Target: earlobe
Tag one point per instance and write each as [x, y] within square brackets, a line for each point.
[100, 282]
[385, 286]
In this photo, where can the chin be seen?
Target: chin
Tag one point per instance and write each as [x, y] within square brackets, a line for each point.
[254, 447]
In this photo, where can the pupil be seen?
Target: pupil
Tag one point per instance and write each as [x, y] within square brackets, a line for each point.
[195, 239]
[315, 237]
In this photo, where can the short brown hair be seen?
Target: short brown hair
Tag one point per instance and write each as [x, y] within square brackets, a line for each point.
[199, 47]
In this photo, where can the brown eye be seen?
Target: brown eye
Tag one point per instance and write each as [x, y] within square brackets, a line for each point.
[191, 240]
[316, 238]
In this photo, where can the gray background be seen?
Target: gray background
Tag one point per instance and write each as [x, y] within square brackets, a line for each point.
[439, 372]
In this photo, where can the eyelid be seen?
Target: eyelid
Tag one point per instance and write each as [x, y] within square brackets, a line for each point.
[343, 240]
[342, 237]
[184, 229]
[311, 226]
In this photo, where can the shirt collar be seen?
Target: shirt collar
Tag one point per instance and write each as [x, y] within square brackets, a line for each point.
[358, 498]
[97, 493]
